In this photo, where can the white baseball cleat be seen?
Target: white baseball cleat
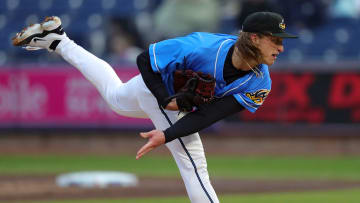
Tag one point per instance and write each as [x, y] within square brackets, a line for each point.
[46, 35]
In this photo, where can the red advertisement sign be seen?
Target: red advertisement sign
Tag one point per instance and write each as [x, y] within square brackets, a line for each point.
[61, 96]
[57, 97]
[310, 98]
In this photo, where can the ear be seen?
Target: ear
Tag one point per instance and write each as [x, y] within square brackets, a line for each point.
[254, 38]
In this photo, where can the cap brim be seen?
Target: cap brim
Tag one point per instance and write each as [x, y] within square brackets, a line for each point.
[284, 35]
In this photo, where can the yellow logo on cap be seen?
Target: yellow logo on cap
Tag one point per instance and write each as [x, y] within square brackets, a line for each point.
[282, 25]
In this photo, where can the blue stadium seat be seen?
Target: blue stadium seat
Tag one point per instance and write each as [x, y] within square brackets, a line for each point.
[322, 41]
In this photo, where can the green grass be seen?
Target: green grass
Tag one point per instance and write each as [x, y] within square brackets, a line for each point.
[336, 196]
[53, 164]
[260, 167]
[132, 200]
[346, 168]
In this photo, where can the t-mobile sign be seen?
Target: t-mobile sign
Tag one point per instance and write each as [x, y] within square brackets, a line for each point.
[43, 97]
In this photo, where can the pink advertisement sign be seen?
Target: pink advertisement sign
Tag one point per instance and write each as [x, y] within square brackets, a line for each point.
[60, 96]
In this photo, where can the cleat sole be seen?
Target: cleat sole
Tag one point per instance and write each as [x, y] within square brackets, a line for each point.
[36, 30]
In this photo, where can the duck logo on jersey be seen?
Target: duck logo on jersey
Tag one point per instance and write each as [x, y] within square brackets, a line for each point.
[259, 96]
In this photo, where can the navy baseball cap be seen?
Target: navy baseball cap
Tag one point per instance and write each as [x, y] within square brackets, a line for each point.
[267, 23]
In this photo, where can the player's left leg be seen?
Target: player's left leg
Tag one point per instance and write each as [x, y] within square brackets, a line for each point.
[189, 155]
[188, 151]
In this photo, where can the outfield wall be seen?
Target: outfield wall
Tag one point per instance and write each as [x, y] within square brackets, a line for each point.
[61, 97]
[309, 97]
[56, 97]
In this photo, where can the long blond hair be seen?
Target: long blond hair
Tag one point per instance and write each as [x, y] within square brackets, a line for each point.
[248, 51]
[247, 48]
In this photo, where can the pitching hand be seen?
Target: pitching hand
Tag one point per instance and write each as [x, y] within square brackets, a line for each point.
[156, 138]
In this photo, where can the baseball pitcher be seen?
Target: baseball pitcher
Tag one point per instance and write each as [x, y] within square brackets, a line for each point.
[204, 76]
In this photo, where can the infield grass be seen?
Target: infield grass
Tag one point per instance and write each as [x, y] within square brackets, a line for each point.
[320, 168]
[336, 196]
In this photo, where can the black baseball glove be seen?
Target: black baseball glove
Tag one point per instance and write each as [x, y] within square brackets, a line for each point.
[192, 89]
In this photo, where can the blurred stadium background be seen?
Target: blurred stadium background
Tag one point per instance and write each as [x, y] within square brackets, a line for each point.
[46, 106]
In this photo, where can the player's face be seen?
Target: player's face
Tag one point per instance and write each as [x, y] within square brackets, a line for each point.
[270, 48]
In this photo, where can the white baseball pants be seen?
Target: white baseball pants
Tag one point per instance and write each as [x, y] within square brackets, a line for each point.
[134, 99]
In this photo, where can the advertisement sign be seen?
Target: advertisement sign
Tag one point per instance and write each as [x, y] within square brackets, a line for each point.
[61, 96]
[310, 98]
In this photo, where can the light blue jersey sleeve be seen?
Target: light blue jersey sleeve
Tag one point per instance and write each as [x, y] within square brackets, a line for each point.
[253, 96]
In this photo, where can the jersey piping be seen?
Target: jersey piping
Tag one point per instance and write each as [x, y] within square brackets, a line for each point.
[217, 56]
[237, 86]
[155, 58]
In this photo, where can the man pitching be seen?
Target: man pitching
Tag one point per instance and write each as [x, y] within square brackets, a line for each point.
[238, 66]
